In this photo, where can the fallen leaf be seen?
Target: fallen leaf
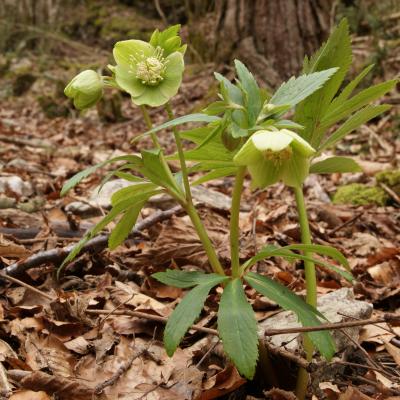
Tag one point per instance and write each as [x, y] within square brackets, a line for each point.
[393, 351]
[29, 395]
[12, 250]
[354, 394]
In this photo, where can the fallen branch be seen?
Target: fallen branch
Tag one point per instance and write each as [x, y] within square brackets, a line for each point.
[94, 245]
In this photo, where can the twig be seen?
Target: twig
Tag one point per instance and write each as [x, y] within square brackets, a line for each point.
[94, 245]
[27, 286]
[390, 192]
[350, 221]
[124, 368]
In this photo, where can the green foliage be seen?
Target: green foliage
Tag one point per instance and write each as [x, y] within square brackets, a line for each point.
[307, 314]
[237, 327]
[360, 195]
[391, 179]
[335, 164]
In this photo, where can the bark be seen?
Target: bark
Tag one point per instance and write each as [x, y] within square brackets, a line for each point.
[270, 36]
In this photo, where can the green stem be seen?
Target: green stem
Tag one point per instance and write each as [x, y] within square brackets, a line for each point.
[311, 287]
[234, 223]
[149, 125]
[190, 208]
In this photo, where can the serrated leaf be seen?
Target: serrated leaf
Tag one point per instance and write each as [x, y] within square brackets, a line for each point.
[133, 191]
[187, 279]
[250, 87]
[124, 225]
[72, 182]
[184, 315]
[237, 327]
[336, 52]
[356, 102]
[297, 89]
[332, 165]
[356, 120]
[348, 90]
[308, 315]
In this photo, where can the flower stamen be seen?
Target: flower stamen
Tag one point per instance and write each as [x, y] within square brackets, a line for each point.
[278, 157]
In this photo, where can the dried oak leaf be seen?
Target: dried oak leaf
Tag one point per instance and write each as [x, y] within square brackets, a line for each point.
[29, 395]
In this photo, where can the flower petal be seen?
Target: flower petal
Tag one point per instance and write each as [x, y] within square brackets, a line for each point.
[248, 154]
[271, 140]
[175, 66]
[264, 173]
[295, 170]
[124, 50]
[152, 96]
[299, 143]
[127, 81]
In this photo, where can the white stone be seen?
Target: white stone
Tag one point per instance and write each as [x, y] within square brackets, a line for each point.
[15, 185]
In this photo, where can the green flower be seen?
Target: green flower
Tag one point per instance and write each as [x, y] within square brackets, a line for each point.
[145, 72]
[272, 156]
[86, 89]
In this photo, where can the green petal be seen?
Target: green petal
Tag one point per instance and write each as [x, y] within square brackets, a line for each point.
[295, 170]
[175, 66]
[152, 96]
[126, 80]
[125, 49]
[248, 154]
[264, 173]
[299, 143]
[271, 140]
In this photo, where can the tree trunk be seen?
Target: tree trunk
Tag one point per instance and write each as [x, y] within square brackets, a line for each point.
[270, 36]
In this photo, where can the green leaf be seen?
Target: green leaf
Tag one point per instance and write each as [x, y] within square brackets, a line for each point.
[356, 120]
[308, 315]
[356, 102]
[335, 164]
[72, 182]
[134, 192]
[237, 327]
[215, 108]
[250, 87]
[157, 171]
[124, 226]
[336, 52]
[187, 279]
[184, 315]
[297, 89]
[321, 249]
[181, 120]
[216, 174]
[348, 90]
[229, 91]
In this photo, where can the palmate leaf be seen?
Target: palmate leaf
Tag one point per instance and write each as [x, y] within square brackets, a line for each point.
[186, 279]
[72, 182]
[336, 52]
[125, 225]
[352, 123]
[335, 164]
[297, 89]
[308, 315]
[186, 312]
[237, 328]
[250, 87]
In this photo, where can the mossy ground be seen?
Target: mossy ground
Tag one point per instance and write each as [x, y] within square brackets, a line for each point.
[360, 195]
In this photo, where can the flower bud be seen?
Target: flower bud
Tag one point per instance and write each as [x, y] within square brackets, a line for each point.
[86, 89]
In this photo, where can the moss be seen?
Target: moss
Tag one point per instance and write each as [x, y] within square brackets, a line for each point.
[391, 179]
[359, 195]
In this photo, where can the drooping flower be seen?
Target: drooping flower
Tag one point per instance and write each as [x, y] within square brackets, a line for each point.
[86, 89]
[272, 156]
[149, 75]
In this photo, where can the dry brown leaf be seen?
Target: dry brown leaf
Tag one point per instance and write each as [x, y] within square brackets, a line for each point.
[393, 351]
[64, 388]
[354, 394]
[279, 394]
[386, 273]
[29, 395]
[79, 345]
[12, 250]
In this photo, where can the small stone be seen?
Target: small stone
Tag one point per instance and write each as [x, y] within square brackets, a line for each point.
[15, 185]
[331, 306]
[103, 198]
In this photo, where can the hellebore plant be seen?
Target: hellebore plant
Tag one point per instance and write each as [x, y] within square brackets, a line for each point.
[245, 131]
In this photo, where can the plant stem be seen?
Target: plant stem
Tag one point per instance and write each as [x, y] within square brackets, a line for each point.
[189, 206]
[149, 125]
[234, 223]
[311, 287]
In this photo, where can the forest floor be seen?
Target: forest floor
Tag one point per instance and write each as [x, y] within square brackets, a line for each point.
[81, 337]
